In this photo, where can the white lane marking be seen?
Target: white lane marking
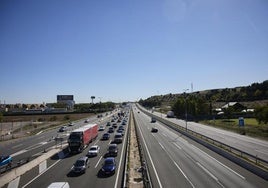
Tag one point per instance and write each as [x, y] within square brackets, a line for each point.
[18, 153]
[14, 183]
[120, 161]
[210, 174]
[39, 133]
[161, 146]
[164, 134]
[42, 166]
[36, 146]
[17, 146]
[183, 174]
[98, 162]
[40, 174]
[220, 163]
[157, 177]
[177, 146]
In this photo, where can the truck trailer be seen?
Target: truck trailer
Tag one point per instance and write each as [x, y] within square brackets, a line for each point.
[81, 137]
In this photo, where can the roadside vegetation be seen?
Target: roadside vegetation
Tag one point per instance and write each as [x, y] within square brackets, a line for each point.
[251, 126]
[251, 103]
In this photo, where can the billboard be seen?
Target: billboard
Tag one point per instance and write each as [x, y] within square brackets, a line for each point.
[65, 97]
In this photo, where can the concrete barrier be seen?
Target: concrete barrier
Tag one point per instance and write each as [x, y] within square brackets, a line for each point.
[13, 174]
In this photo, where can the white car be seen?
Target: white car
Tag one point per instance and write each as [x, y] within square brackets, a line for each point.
[93, 151]
[101, 128]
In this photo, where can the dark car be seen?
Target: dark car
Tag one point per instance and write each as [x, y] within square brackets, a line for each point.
[109, 166]
[118, 138]
[63, 129]
[81, 165]
[112, 150]
[106, 136]
[154, 130]
[111, 130]
[153, 120]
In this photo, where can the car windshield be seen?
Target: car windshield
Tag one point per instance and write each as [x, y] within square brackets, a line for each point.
[93, 149]
[109, 162]
[112, 147]
[79, 163]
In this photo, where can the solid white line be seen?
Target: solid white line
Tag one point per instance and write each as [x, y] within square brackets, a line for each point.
[17, 146]
[157, 177]
[40, 174]
[177, 146]
[161, 146]
[98, 162]
[183, 174]
[210, 174]
[18, 153]
[120, 161]
[220, 163]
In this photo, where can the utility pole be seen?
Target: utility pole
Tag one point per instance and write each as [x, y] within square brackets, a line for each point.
[185, 99]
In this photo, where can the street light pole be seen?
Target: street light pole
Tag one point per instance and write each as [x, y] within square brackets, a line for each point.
[185, 98]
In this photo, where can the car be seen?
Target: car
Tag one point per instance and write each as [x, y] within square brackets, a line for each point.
[93, 151]
[109, 166]
[118, 138]
[86, 121]
[63, 129]
[121, 127]
[114, 125]
[111, 130]
[153, 120]
[108, 124]
[101, 128]
[106, 136]
[112, 150]
[5, 160]
[71, 124]
[154, 130]
[80, 165]
[121, 131]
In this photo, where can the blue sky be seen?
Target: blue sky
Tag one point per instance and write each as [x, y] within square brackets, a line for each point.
[129, 49]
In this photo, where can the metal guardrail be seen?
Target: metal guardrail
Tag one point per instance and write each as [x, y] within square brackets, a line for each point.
[253, 163]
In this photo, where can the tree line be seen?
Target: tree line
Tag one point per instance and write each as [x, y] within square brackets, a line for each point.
[200, 104]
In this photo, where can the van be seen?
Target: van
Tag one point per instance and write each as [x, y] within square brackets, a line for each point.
[59, 185]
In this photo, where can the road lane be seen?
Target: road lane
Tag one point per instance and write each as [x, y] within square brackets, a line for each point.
[188, 163]
[253, 146]
[62, 170]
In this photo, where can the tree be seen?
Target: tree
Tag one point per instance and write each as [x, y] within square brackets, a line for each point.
[261, 114]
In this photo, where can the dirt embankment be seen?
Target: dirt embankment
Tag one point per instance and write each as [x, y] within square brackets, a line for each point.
[135, 177]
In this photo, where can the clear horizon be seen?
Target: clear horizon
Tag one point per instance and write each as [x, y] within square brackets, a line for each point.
[126, 50]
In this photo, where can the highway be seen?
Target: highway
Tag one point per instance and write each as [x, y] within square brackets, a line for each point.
[58, 167]
[253, 146]
[175, 161]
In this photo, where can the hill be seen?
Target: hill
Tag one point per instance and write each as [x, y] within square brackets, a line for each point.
[250, 96]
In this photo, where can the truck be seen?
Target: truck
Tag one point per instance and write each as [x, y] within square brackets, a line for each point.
[170, 114]
[80, 138]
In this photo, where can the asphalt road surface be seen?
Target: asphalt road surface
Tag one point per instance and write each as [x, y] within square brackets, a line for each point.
[176, 161]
